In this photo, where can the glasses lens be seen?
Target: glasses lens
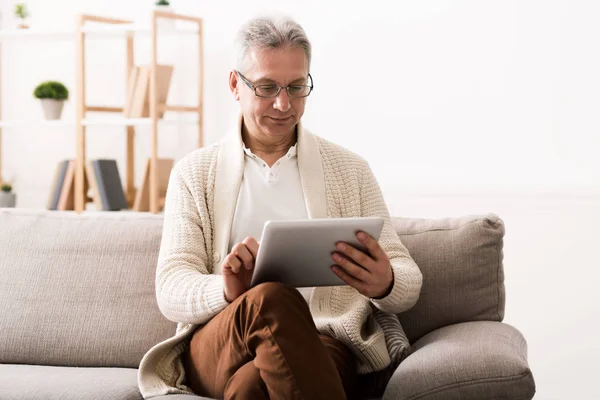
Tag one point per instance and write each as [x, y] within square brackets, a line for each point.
[267, 90]
[298, 91]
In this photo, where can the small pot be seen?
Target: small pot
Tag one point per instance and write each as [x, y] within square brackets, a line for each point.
[22, 25]
[7, 199]
[162, 22]
[52, 108]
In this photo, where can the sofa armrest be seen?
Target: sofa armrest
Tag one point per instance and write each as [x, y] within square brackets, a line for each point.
[467, 361]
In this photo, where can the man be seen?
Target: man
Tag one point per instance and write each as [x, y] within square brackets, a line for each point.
[270, 341]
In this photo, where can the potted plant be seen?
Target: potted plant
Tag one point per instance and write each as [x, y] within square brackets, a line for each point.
[164, 6]
[22, 13]
[52, 95]
[7, 198]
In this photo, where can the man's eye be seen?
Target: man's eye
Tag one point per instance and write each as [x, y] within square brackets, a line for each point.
[267, 88]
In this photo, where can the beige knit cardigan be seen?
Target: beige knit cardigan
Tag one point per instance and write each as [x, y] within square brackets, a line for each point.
[199, 210]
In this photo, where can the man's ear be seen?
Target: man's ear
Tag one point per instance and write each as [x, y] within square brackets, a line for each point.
[233, 85]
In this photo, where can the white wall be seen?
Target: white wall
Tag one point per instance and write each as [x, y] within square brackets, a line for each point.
[461, 107]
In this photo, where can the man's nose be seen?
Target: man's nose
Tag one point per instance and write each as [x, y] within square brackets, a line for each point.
[282, 101]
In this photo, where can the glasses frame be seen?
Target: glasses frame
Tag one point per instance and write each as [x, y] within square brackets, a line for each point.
[287, 88]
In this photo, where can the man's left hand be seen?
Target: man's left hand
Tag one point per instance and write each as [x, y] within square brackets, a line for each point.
[371, 274]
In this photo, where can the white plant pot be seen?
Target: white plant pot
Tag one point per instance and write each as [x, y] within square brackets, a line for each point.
[162, 22]
[7, 199]
[52, 108]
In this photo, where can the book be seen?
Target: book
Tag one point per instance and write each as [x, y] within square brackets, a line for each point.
[66, 200]
[57, 184]
[142, 87]
[142, 196]
[164, 73]
[91, 178]
[108, 184]
[131, 84]
[140, 101]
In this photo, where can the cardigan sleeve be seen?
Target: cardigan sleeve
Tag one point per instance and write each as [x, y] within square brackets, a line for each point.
[185, 290]
[407, 276]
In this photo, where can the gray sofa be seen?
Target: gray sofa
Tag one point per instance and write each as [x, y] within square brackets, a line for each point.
[79, 309]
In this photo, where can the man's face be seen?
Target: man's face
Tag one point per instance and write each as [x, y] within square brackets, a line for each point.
[271, 117]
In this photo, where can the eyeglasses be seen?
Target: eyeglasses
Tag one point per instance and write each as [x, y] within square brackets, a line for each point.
[271, 90]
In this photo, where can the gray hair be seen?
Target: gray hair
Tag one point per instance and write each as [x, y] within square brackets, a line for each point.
[270, 33]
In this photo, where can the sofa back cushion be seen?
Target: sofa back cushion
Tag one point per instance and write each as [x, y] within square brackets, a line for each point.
[78, 290]
[463, 275]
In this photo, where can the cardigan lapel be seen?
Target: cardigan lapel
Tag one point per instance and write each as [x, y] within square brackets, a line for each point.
[230, 169]
[311, 174]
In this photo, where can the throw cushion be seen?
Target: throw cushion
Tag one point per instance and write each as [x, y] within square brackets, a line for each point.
[80, 288]
[463, 275]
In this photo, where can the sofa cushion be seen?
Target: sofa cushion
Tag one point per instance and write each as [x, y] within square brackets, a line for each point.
[33, 382]
[180, 397]
[463, 276]
[469, 361]
[80, 288]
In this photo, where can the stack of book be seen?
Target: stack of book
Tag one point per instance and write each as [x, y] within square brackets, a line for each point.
[138, 90]
[102, 176]
[104, 183]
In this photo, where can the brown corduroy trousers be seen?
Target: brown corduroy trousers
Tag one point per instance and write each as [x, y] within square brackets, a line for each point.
[265, 345]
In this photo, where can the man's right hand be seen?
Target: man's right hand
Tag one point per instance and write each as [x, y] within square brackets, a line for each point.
[238, 267]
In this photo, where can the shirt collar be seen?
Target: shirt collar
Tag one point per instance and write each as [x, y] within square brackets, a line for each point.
[292, 152]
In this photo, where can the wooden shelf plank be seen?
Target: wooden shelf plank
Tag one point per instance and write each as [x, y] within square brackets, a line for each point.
[6, 34]
[37, 123]
[163, 107]
[134, 121]
[103, 109]
[118, 30]
[93, 122]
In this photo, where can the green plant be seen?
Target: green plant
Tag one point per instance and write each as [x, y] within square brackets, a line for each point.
[162, 3]
[21, 10]
[51, 90]
[6, 188]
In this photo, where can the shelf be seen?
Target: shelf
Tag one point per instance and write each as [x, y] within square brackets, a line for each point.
[93, 30]
[6, 34]
[94, 122]
[36, 123]
[161, 24]
[121, 29]
[134, 121]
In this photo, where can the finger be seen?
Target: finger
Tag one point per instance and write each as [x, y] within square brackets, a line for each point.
[241, 251]
[356, 255]
[349, 280]
[252, 245]
[352, 269]
[372, 245]
[232, 263]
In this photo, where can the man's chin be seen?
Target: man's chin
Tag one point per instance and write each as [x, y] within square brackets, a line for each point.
[280, 123]
[279, 129]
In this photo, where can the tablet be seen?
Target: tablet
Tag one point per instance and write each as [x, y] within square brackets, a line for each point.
[299, 252]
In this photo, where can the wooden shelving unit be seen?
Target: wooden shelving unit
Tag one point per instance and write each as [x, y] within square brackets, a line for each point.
[110, 27]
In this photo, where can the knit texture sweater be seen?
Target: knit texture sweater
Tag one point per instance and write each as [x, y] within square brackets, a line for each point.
[199, 210]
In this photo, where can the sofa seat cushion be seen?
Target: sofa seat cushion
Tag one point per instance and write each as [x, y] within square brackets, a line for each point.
[34, 382]
[180, 397]
[468, 361]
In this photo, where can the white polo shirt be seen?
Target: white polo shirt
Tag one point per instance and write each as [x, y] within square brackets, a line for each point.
[268, 194]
